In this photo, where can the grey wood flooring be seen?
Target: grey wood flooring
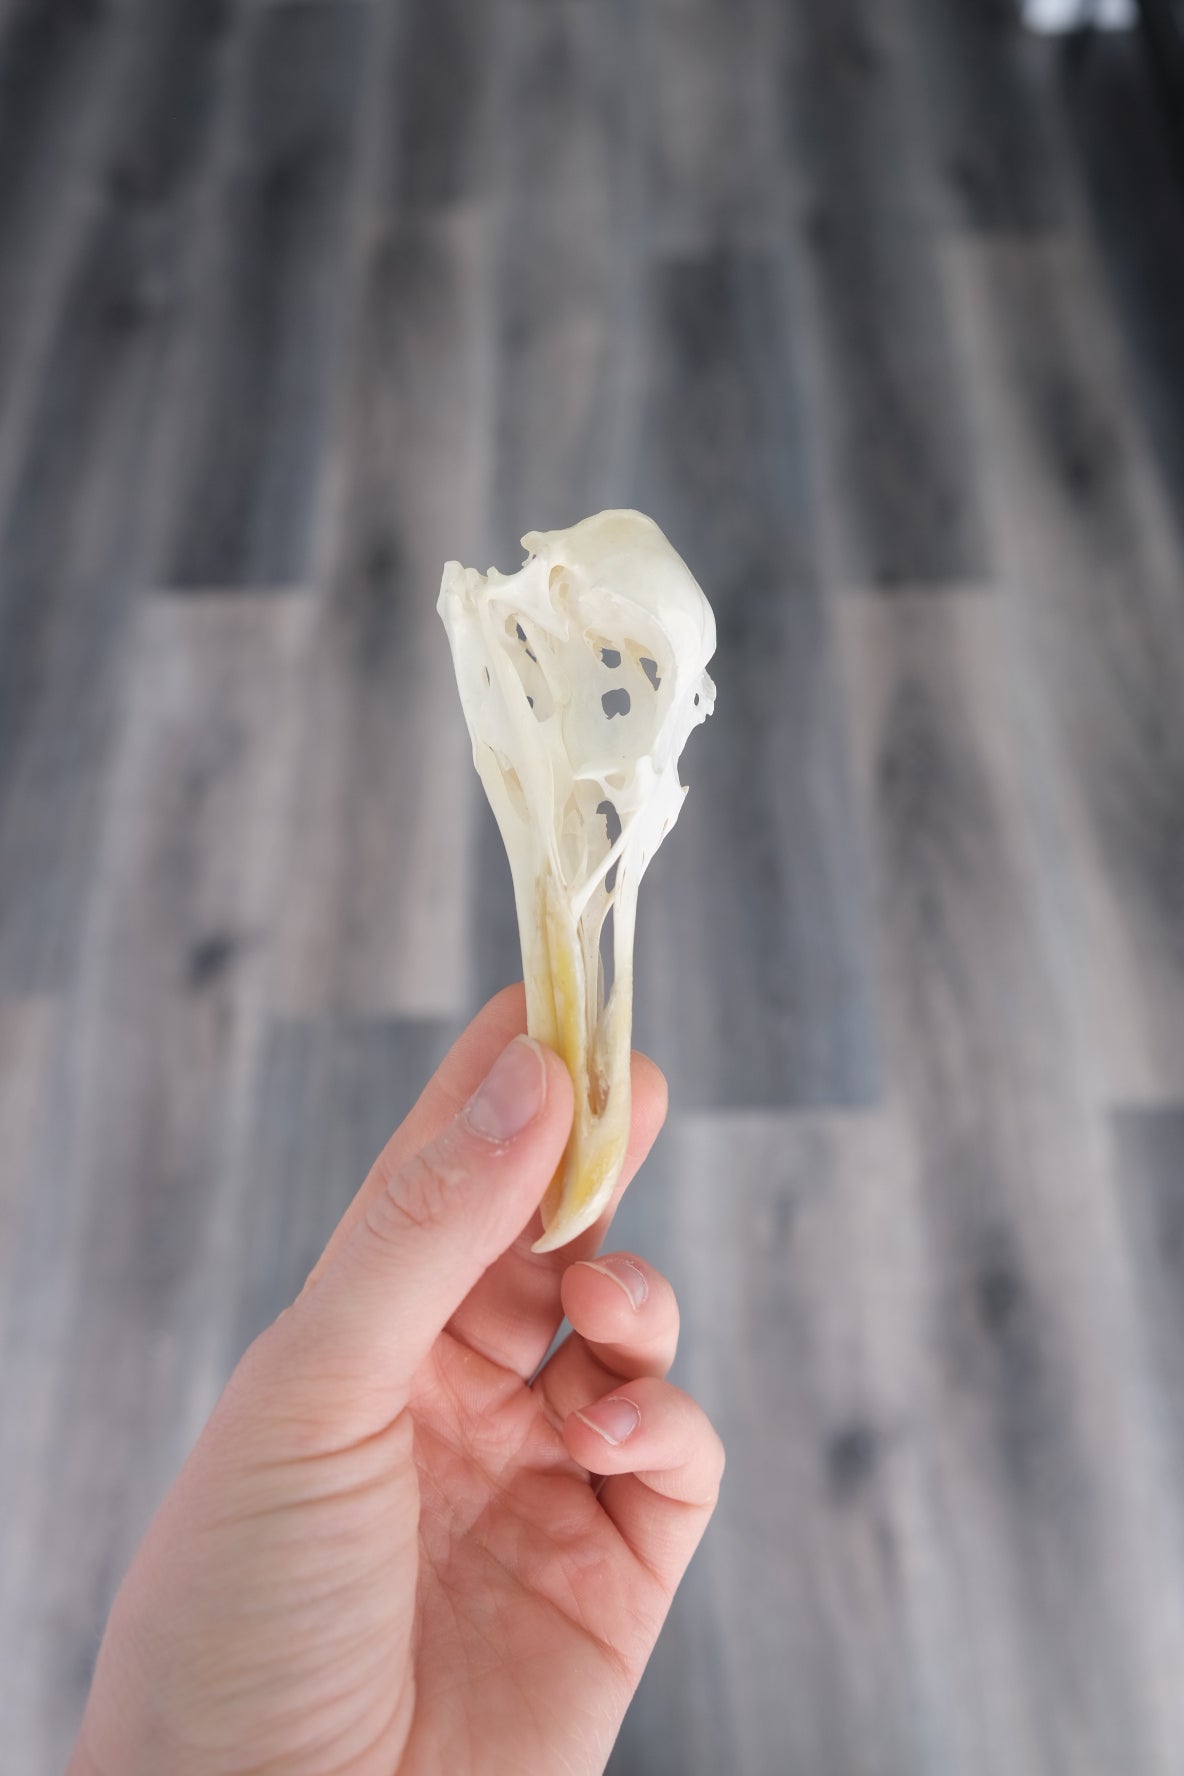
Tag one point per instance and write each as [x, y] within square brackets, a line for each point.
[876, 306]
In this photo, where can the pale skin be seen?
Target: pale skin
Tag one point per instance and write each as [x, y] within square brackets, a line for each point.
[398, 1545]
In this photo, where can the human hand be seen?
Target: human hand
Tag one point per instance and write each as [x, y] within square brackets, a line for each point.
[389, 1550]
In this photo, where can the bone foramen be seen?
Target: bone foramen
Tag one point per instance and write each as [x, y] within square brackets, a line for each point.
[581, 677]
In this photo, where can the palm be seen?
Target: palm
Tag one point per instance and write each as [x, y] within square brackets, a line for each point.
[529, 1600]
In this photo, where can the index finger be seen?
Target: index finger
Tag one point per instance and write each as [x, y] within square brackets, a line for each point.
[450, 1087]
[515, 1310]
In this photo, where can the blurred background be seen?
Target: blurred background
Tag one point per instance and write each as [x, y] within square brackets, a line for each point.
[878, 307]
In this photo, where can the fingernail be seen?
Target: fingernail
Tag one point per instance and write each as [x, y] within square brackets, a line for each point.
[512, 1093]
[628, 1276]
[614, 1418]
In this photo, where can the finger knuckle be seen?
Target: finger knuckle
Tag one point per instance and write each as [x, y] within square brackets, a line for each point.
[705, 1447]
[717, 1459]
[415, 1199]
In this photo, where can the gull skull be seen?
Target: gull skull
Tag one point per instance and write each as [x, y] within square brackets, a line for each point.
[581, 677]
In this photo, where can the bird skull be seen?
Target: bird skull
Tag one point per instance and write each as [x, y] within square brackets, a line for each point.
[581, 677]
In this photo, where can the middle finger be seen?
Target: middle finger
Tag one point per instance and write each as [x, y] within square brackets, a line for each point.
[624, 1318]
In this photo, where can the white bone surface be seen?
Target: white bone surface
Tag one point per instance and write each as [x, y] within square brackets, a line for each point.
[581, 677]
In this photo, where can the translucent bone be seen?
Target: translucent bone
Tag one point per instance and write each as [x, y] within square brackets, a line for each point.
[581, 677]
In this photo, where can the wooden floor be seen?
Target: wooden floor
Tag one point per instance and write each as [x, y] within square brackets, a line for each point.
[876, 307]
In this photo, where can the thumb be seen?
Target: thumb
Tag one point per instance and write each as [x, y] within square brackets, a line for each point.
[440, 1220]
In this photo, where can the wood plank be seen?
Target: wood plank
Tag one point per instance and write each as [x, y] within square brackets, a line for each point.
[852, 111]
[69, 547]
[58, 68]
[895, 475]
[897, 482]
[753, 901]
[1129, 164]
[28, 1030]
[803, 1288]
[248, 389]
[331, 1091]
[378, 919]
[120, 167]
[565, 161]
[1092, 551]
[682, 1718]
[1057, 1523]
[1149, 1162]
[120, 1305]
[711, 75]
[441, 92]
[989, 90]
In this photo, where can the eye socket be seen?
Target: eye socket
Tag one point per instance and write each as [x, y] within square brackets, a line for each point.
[650, 668]
[610, 657]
